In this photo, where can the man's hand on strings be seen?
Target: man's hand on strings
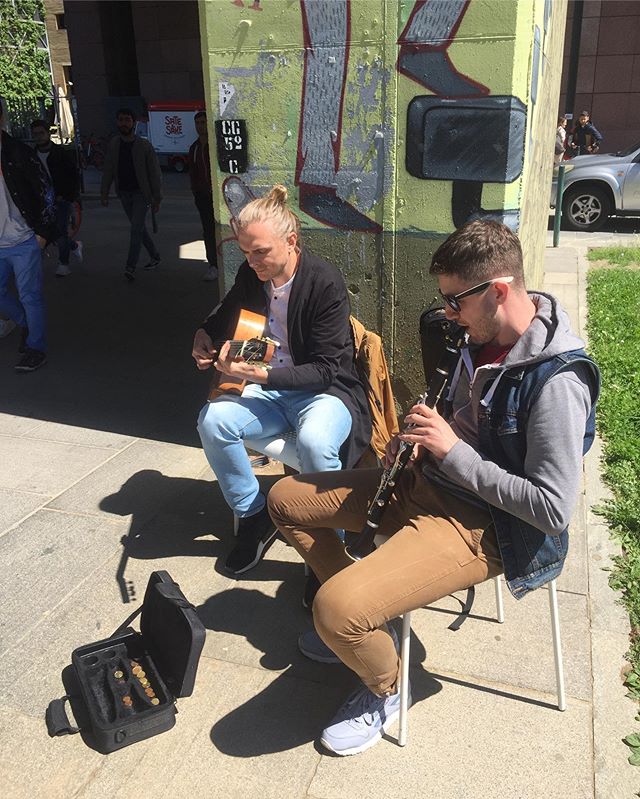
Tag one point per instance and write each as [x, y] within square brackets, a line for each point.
[238, 367]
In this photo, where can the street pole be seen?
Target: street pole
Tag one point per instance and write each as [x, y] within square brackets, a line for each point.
[558, 216]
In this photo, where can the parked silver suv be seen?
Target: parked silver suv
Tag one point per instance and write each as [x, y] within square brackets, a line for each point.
[598, 186]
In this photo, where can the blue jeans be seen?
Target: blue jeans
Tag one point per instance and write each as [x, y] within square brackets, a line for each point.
[322, 424]
[65, 244]
[136, 208]
[24, 262]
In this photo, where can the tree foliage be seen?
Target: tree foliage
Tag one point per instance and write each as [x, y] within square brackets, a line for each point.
[24, 61]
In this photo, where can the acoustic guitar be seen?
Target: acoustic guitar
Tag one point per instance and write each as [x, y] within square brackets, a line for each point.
[248, 343]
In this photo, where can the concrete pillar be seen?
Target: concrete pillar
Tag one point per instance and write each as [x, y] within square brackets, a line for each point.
[391, 123]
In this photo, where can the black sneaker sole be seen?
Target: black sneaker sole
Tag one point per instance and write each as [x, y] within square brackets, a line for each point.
[30, 368]
[263, 546]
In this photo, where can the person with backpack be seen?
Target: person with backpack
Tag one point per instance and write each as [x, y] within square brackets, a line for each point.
[311, 384]
[491, 489]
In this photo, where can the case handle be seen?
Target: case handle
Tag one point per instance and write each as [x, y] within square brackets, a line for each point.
[57, 720]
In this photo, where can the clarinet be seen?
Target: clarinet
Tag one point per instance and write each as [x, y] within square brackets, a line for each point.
[454, 340]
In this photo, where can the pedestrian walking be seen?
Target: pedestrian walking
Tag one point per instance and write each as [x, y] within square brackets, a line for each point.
[60, 164]
[27, 224]
[131, 162]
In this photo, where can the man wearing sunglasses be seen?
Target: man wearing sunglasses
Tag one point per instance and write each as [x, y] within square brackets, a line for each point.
[491, 490]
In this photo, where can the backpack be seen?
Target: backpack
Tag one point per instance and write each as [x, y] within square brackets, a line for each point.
[371, 365]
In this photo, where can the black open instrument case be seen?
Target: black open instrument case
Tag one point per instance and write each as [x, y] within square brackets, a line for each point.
[128, 684]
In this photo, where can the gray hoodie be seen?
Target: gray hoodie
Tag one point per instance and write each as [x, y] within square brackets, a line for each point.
[545, 497]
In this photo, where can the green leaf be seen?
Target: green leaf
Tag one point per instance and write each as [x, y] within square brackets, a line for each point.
[634, 758]
[632, 740]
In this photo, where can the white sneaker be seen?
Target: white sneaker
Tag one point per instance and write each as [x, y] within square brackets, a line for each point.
[63, 270]
[77, 253]
[211, 274]
[6, 327]
[361, 722]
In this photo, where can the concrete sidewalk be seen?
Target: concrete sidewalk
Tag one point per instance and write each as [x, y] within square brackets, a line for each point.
[100, 446]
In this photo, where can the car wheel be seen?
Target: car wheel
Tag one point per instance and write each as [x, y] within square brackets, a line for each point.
[585, 208]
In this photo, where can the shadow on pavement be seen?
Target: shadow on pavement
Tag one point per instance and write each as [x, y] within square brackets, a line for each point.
[119, 353]
[170, 517]
[295, 707]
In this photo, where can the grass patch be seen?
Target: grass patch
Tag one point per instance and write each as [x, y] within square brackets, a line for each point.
[613, 296]
[616, 256]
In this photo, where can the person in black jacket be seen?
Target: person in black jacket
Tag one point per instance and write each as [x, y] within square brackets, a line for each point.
[27, 224]
[312, 386]
[585, 137]
[60, 163]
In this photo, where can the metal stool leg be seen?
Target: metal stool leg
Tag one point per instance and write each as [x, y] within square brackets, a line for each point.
[497, 582]
[557, 647]
[404, 678]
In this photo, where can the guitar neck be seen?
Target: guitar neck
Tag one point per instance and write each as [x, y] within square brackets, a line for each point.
[235, 345]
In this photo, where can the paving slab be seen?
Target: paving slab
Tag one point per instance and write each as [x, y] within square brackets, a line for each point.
[15, 505]
[135, 481]
[243, 733]
[34, 766]
[518, 652]
[47, 468]
[71, 434]
[11, 425]
[469, 742]
[44, 558]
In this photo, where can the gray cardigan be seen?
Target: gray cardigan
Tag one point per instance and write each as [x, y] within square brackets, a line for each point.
[145, 164]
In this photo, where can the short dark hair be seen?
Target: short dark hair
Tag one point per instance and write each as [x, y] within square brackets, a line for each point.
[199, 114]
[125, 112]
[479, 251]
[584, 114]
[40, 123]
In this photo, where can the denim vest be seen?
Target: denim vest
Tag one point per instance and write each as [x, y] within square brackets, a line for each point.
[530, 557]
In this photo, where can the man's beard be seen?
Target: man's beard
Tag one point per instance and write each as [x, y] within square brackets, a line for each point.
[485, 332]
[125, 130]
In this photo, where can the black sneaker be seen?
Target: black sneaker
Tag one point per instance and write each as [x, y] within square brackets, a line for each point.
[24, 334]
[153, 264]
[255, 535]
[31, 360]
[129, 273]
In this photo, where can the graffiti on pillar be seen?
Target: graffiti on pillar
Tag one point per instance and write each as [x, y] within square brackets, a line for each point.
[325, 67]
[424, 45]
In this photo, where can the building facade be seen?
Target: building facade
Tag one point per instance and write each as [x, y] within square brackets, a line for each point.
[601, 69]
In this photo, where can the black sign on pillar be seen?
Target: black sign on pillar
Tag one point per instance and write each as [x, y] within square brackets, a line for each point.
[231, 143]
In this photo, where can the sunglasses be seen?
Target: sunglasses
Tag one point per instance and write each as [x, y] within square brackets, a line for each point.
[453, 300]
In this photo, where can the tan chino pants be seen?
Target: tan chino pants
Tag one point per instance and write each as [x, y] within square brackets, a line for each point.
[438, 544]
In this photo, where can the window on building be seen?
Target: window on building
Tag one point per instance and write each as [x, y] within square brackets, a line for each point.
[60, 24]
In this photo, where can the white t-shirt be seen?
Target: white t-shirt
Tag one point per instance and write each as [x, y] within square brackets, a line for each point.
[43, 158]
[13, 228]
[277, 321]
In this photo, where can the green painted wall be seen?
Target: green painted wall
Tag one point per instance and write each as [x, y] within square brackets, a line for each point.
[391, 122]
